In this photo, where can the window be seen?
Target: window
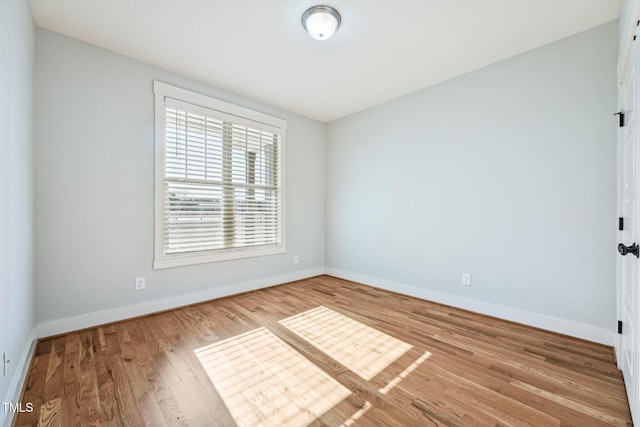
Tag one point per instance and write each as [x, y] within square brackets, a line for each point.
[218, 180]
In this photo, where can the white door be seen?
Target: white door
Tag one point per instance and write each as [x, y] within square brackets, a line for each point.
[628, 344]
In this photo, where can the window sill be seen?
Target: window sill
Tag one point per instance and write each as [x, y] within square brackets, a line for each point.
[182, 260]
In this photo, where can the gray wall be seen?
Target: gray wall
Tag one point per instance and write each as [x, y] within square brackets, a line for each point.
[507, 173]
[94, 163]
[16, 194]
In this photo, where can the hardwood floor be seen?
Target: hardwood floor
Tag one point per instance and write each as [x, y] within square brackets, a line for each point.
[322, 351]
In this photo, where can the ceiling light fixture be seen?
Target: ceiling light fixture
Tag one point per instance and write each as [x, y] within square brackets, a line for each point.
[321, 22]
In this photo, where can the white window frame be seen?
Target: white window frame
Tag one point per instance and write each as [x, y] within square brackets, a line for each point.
[163, 91]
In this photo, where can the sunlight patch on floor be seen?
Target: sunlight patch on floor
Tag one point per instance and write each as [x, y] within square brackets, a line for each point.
[364, 350]
[265, 382]
[358, 414]
[405, 373]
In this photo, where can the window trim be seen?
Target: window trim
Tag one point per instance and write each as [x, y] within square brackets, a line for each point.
[162, 91]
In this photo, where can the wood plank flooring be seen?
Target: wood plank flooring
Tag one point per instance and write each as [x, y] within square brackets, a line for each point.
[321, 352]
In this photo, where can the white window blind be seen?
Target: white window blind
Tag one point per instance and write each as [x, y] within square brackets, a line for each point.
[221, 185]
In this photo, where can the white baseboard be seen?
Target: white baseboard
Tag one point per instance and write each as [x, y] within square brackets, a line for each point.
[549, 323]
[554, 324]
[21, 370]
[89, 320]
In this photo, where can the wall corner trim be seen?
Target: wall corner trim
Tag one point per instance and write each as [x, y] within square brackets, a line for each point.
[549, 323]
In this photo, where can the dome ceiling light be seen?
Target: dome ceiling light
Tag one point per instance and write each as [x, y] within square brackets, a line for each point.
[321, 22]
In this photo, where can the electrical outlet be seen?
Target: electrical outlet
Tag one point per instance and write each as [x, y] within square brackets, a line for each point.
[296, 259]
[466, 279]
[140, 283]
[5, 362]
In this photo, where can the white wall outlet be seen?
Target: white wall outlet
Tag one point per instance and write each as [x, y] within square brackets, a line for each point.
[140, 283]
[466, 279]
[5, 362]
[296, 259]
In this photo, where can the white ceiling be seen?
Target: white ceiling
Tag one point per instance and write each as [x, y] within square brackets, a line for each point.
[383, 49]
